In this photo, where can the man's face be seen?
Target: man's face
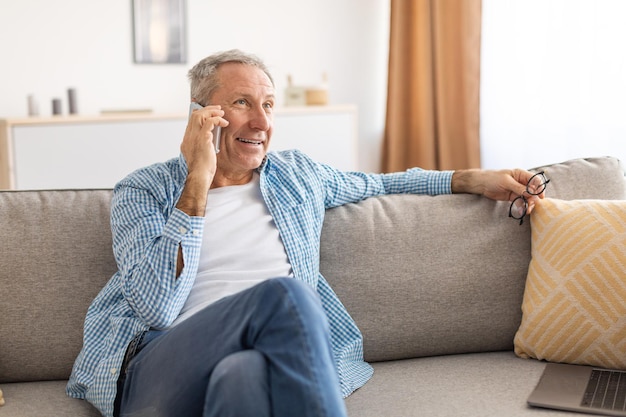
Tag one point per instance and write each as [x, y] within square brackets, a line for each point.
[247, 97]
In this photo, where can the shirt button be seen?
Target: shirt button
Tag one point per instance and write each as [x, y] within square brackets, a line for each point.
[182, 230]
[195, 233]
[113, 370]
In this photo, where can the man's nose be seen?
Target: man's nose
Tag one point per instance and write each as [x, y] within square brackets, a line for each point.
[261, 120]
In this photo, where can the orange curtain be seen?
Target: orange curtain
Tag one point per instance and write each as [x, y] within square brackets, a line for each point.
[433, 87]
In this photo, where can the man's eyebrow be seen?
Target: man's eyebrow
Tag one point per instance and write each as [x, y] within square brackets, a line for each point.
[271, 97]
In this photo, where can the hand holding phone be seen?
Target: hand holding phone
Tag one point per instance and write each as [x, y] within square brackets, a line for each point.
[217, 130]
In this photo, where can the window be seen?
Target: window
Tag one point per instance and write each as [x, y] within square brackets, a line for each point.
[553, 81]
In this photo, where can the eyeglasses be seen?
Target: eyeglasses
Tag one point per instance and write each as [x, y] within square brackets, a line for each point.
[536, 185]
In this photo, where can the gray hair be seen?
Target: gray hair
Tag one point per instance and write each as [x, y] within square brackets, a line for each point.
[203, 75]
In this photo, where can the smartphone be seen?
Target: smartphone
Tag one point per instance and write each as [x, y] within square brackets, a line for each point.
[217, 130]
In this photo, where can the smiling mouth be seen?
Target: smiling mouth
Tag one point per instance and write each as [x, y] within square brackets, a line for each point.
[250, 141]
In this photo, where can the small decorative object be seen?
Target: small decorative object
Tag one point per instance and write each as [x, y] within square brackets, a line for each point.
[294, 95]
[159, 31]
[71, 101]
[306, 96]
[33, 108]
[56, 106]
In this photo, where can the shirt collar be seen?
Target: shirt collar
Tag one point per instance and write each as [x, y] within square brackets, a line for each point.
[263, 165]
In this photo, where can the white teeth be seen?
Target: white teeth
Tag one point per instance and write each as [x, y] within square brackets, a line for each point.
[255, 142]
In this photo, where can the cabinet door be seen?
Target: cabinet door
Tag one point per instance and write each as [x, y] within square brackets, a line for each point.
[90, 155]
[326, 137]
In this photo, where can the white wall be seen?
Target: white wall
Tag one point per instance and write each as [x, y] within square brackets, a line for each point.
[48, 46]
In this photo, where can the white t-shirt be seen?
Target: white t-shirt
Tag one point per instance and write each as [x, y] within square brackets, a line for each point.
[241, 247]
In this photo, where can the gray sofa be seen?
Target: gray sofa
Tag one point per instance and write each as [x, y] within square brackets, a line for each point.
[435, 284]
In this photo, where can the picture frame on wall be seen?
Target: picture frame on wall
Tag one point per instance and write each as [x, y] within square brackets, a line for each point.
[159, 31]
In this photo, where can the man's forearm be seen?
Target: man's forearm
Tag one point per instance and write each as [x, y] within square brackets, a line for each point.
[192, 201]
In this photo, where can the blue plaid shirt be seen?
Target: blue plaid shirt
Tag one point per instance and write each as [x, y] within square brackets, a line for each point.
[148, 229]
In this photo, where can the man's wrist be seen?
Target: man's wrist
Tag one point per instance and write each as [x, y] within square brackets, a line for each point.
[192, 201]
[467, 181]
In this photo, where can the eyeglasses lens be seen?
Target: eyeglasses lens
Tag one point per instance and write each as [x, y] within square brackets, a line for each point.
[518, 208]
[537, 184]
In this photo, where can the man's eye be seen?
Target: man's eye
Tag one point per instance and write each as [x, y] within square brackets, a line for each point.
[241, 101]
[269, 105]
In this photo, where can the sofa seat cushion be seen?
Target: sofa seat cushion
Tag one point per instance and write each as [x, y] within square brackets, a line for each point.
[483, 384]
[42, 399]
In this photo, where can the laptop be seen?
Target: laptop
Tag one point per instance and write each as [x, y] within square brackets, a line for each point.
[585, 389]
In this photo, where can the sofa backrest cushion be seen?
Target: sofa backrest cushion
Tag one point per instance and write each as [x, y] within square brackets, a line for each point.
[56, 255]
[425, 275]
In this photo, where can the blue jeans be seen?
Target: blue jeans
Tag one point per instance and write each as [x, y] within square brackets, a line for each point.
[263, 352]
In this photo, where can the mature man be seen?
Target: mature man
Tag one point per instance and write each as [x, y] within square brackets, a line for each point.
[218, 307]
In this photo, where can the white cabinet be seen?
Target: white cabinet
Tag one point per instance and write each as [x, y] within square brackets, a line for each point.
[96, 152]
[87, 153]
[327, 134]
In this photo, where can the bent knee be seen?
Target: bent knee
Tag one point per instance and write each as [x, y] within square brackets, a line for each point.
[295, 291]
[295, 296]
[294, 285]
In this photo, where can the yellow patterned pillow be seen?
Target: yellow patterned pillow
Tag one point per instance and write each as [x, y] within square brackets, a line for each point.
[574, 308]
